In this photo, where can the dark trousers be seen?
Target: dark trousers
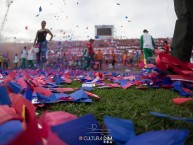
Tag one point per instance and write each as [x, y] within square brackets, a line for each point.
[183, 33]
[15, 65]
[23, 63]
[90, 61]
[31, 64]
[41, 55]
[100, 63]
[113, 63]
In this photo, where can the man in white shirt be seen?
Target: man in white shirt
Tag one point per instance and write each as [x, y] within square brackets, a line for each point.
[147, 44]
[15, 61]
[23, 58]
[30, 58]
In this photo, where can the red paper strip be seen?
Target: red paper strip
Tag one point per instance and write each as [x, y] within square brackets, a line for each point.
[92, 95]
[179, 101]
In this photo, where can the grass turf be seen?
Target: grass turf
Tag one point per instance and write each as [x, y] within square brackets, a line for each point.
[132, 104]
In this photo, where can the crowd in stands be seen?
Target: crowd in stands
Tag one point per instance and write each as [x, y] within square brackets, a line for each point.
[107, 54]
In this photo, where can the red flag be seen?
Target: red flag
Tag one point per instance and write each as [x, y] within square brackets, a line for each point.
[22, 83]
[129, 84]
[56, 118]
[8, 113]
[49, 119]
[31, 135]
[43, 91]
[23, 106]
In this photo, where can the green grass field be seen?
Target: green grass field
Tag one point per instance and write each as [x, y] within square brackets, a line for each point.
[133, 104]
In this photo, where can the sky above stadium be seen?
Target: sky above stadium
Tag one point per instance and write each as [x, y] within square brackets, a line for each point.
[75, 19]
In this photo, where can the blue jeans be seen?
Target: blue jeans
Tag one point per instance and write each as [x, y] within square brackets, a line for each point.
[90, 60]
[41, 55]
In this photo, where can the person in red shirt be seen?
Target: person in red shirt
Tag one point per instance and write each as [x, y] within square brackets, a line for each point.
[166, 47]
[90, 47]
[90, 59]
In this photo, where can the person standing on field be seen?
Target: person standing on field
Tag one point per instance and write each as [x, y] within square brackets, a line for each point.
[147, 45]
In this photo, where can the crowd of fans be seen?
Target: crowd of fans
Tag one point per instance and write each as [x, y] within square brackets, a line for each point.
[89, 57]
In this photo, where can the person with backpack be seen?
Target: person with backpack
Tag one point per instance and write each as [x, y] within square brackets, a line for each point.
[147, 45]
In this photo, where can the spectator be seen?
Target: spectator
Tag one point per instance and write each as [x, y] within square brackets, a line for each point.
[113, 59]
[136, 58]
[6, 62]
[131, 57]
[30, 59]
[1, 61]
[15, 61]
[106, 59]
[23, 58]
[90, 60]
[124, 58]
[99, 58]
